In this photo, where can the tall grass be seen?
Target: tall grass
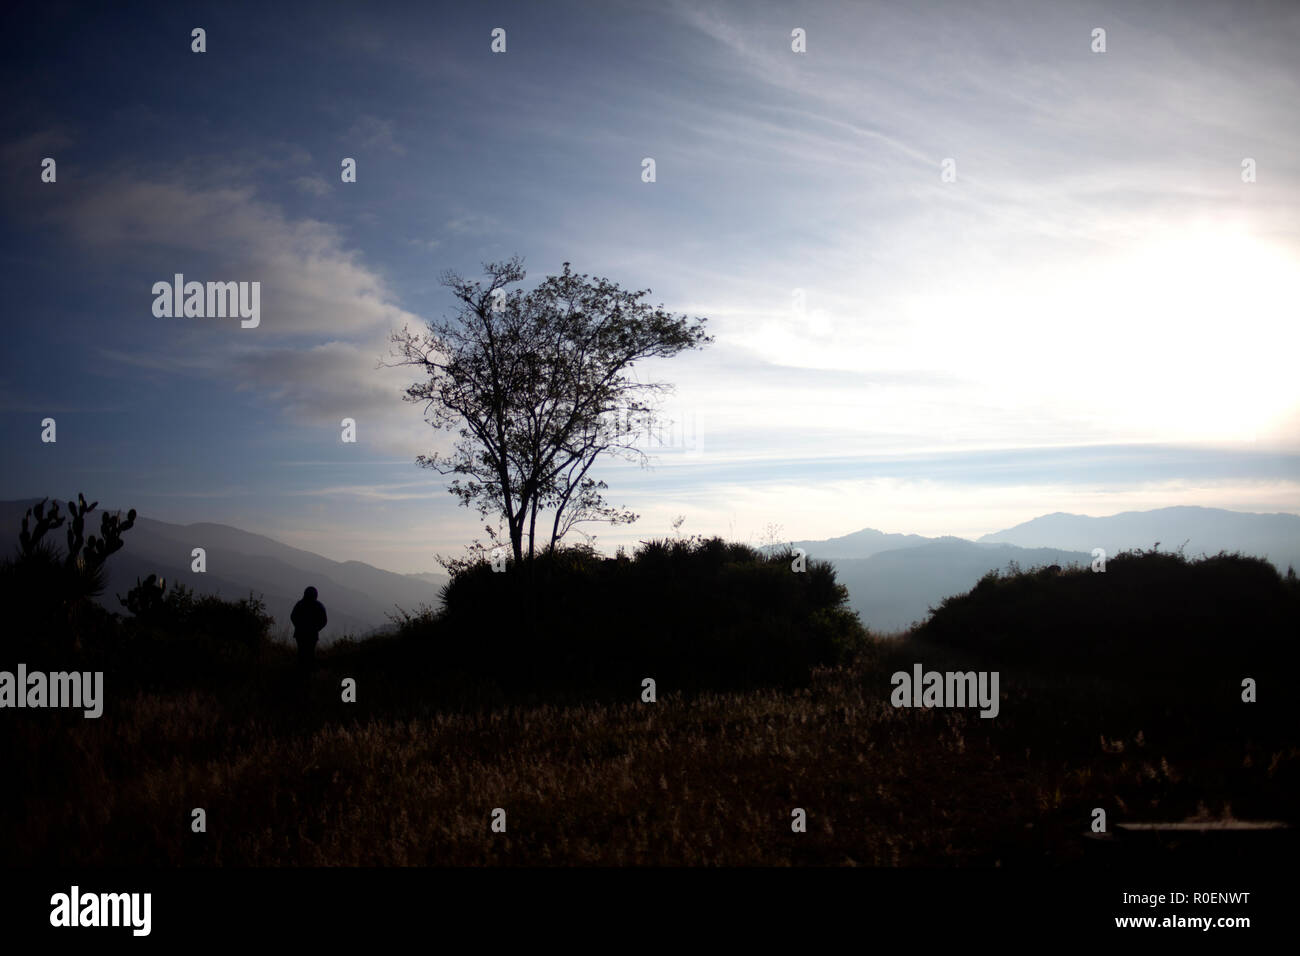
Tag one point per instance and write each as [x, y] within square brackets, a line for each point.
[1094, 713]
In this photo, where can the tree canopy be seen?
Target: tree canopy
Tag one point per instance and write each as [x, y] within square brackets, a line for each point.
[537, 385]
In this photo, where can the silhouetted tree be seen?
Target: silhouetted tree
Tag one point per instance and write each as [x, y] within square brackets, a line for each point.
[537, 386]
[49, 591]
[83, 562]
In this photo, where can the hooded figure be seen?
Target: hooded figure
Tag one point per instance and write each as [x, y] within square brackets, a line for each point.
[308, 619]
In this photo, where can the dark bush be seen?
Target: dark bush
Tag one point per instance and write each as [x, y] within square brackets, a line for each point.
[194, 641]
[48, 592]
[1151, 614]
[172, 639]
[689, 613]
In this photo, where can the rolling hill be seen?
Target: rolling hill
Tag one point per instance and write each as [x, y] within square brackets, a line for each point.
[1205, 531]
[358, 596]
[892, 589]
[894, 579]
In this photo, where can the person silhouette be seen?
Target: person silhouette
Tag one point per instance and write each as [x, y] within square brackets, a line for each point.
[308, 619]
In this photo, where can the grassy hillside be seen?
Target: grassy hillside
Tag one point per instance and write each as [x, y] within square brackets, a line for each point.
[526, 695]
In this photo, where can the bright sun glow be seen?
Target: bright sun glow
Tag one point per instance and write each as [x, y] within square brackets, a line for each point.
[1188, 336]
[1203, 326]
[1180, 335]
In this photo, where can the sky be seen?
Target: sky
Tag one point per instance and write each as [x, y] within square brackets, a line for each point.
[962, 269]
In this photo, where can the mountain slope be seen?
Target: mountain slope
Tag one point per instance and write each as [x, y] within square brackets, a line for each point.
[1205, 530]
[860, 544]
[358, 596]
[893, 579]
[892, 589]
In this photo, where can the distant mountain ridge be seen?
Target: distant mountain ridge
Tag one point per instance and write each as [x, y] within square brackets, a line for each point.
[891, 590]
[894, 579]
[357, 596]
[1203, 530]
[437, 580]
[861, 544]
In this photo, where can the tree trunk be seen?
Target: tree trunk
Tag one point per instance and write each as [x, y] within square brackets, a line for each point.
[532, 530]
[517, 538]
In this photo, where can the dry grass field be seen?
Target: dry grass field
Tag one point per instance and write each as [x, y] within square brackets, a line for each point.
[709, 779]
[1119, 691]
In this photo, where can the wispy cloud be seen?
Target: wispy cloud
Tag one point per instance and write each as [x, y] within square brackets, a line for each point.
[1098, 275]
[313, 185]
[374, 133]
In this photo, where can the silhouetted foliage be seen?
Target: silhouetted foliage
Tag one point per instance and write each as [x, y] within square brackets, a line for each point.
[146, 598]
[47, 592]
[172, 638]
[537, 386]
[688, 613]
[185, 640]
[1150, 613]
[449, 706]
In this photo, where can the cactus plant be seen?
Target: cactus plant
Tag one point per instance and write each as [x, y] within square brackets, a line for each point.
[85, 556]
[146, 598]
[29, 541]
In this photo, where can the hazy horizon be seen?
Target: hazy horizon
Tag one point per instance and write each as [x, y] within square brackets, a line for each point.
[1095, 317]
[762, 540]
